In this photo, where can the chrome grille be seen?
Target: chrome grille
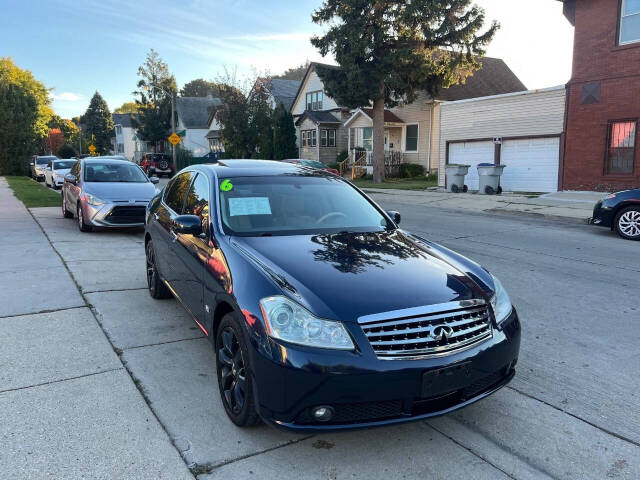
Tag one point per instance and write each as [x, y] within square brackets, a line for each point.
[431, 330]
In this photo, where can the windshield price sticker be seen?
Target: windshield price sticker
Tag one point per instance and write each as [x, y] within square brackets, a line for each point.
[249, 206]
[226, 185]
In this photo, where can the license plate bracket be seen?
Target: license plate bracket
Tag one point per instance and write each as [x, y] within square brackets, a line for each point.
[447, 379]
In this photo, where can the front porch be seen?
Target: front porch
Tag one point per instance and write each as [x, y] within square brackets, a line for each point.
[360, 143]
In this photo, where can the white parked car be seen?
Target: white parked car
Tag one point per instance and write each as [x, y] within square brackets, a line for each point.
[56, 170]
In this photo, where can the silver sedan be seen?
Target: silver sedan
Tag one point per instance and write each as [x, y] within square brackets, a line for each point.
[106, 192]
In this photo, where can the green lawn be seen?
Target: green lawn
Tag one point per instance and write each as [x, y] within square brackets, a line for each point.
[32, 193]
[417, 183]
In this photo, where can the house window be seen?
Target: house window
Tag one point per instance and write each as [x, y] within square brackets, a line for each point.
[309, 138]
[630, 21]
[621, 149]
[411, 138]
[327, 138]
[367, 138]
[118, 129]
[314, 101]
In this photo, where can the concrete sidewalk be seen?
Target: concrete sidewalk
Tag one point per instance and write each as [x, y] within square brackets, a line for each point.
[572, 206]
[68, 407]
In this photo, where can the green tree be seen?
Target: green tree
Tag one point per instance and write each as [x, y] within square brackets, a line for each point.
[260, 121]
[233, 115]
[68, 128]
[24, 114]
[66, 151]
[127, 107]
[389, 50]
[155, 88]
[200, 88]
[284, 134]
[295, 73]
[98, 124]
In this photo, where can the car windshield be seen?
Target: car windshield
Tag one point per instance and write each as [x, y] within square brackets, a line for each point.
[313, 163]
[43, 160]
[113, 172]
[64, 164]
[295, 205]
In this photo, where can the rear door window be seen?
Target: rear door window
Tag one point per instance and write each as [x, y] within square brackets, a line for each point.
[174, 197]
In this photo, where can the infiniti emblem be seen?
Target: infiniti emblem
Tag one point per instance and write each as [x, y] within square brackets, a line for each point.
[441, 332]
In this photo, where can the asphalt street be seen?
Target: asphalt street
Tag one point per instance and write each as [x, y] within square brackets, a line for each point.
[572, 411]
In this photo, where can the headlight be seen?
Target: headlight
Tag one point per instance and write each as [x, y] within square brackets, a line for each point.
[93, 200]
[288, 321]
[500, 302]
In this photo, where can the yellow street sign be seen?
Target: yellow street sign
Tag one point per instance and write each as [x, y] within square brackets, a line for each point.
[92, 149]
[174, 139]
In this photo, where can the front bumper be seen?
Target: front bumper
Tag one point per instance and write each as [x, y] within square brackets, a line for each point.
[115, 215]
[602, 215]
[366, 392]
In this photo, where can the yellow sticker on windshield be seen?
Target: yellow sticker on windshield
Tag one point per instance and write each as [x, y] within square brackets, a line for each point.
[226, 186]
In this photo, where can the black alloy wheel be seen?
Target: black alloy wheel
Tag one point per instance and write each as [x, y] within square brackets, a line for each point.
[234, 380]
[157, 288]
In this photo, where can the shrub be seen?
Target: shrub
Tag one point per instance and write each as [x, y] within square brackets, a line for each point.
[334, 165]
[410, 170]
[66, 151]
[184, 158]
[342, 156]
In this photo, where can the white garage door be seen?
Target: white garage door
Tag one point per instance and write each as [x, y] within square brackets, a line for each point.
[532, 165]
[471, 153]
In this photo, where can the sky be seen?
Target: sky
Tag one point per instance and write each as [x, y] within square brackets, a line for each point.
[77, 47]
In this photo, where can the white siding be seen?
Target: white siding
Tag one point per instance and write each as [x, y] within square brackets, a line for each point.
[196, 141]
[418, 112]
[523, 114]
[312, 83]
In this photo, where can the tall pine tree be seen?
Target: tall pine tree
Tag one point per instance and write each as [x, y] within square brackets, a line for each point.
[260, 121]
[284, 134]
[389, 50]
[155, 88]
[97, 124]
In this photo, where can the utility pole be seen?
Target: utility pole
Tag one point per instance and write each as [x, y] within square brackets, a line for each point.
[173, 127]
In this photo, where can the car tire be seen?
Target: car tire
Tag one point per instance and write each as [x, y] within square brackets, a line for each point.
[157, 288]
[65, 212]
[82, 226]
[628, 223]
[233, 369]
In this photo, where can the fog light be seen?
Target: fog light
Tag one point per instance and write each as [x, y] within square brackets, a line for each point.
[322, 414]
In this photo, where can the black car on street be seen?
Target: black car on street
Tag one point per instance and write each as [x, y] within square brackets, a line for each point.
[620, 211]
[322, 312]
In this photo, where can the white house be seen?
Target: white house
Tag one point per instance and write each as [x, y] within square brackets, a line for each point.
[126, 141]
[194, 121]
[326, 128]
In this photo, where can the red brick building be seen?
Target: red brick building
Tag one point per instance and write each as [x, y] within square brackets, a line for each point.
[603, 97]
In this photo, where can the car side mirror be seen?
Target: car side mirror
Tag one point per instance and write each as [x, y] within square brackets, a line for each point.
[69, 177]
[154, 180]
[395, 216]
[188, 224]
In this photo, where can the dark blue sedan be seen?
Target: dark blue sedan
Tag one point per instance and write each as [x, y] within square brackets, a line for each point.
[620, 211]
[322, 312]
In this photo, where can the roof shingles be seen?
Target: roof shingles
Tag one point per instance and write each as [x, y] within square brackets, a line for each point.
[194, 111]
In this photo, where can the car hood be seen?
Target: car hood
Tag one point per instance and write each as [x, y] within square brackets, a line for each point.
[62, 171]
[345, 276]
[121, 191]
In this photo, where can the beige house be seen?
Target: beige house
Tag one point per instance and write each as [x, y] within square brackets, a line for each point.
[325, 128]
[521, 130]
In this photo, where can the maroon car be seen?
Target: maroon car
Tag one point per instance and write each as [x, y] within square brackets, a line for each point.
[157, 164]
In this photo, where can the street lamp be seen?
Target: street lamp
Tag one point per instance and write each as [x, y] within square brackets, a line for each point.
[173, 116]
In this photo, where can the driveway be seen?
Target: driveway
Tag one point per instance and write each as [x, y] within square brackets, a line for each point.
[571, 412]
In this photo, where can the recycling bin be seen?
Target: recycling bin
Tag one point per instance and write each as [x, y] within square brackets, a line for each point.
[489, 178]
[455, 177]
